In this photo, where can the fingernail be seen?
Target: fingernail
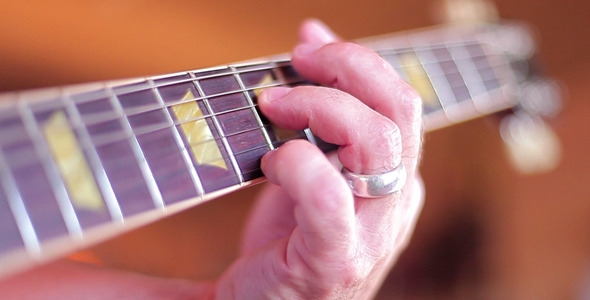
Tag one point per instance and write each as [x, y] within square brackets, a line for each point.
[275, 93]
[323, 32]
[266, 157]
[306, 49]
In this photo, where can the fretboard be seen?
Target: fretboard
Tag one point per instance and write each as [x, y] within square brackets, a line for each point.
[79, 164]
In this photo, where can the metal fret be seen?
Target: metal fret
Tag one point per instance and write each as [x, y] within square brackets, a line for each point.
[483, 58]
[138, 153]
[433, 112]
[224, 141]
[468, 69]
[11, 237]
[179, 143]
[94, 160]
[19, 211]
[306, 132]
[142, 109]
[453, 74]
[443, 88]
[252, 108]
[58, 186]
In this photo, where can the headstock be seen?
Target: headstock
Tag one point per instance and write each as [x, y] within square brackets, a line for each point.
[531, 144]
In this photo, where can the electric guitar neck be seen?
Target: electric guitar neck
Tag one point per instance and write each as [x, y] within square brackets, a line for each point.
[82, 164]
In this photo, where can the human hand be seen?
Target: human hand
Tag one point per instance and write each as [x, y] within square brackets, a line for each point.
[308, 236]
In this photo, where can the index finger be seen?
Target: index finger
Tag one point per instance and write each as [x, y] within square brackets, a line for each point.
[365, 75]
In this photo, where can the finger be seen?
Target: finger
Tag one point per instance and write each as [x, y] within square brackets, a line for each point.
[370, 143]
[324, 206]
[316, 32]
[362, 73]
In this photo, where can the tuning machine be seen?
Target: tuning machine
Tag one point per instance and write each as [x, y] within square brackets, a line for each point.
[531, 144]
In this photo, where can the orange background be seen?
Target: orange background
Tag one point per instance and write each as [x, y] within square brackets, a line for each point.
[486, 231]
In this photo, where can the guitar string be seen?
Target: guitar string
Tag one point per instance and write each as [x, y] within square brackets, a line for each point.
[110, 137]
[102, 117]
[243, 90]
[105, 117]
[280, 63]
[145, 108]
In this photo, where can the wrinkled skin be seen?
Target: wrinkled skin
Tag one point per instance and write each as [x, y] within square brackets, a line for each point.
[308, 237]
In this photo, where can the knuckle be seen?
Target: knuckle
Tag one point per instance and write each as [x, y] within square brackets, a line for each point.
[411, 101]
[354, 273]
[388, 135]
[350, 274]
[352, 54]
[346, 49]
[333, 97]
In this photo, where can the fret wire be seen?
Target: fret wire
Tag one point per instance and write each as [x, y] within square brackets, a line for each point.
[463, 69]
[51, 171]
[281, 78]
[240, 152]
[110, 198]
[250, 149]
[113, 138]
[19, 211]
[107, 138]
[461, 74]
[151, 108]
[470, 58]
[196, 179]
[193, 78]
[150, 128]
[224, 141]
[438, 61]
[101, 117]
[254, 112]
[274, 64]
[216, 139]
[443, 92]
[503, 76]
[273, 68]
[147, 108]
[414, 48]
[397, 66]
[493, 67]
[242, 90]
[141, 160]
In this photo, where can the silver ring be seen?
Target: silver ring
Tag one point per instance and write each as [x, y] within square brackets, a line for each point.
[377, 185]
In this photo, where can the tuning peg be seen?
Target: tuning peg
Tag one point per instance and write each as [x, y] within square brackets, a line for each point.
[541, 96]
[465, 11]
[532, 145]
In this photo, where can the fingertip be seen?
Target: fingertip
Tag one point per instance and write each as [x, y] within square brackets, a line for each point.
[315, 31]
[270, 163]
[307, 49]
[266, 160]
[274, 93]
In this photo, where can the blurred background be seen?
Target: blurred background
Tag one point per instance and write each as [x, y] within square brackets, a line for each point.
[486, 232]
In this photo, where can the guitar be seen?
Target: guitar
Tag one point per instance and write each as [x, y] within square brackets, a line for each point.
[80, 164]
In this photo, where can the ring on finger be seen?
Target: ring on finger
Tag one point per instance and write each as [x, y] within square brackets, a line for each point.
[376, 185]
